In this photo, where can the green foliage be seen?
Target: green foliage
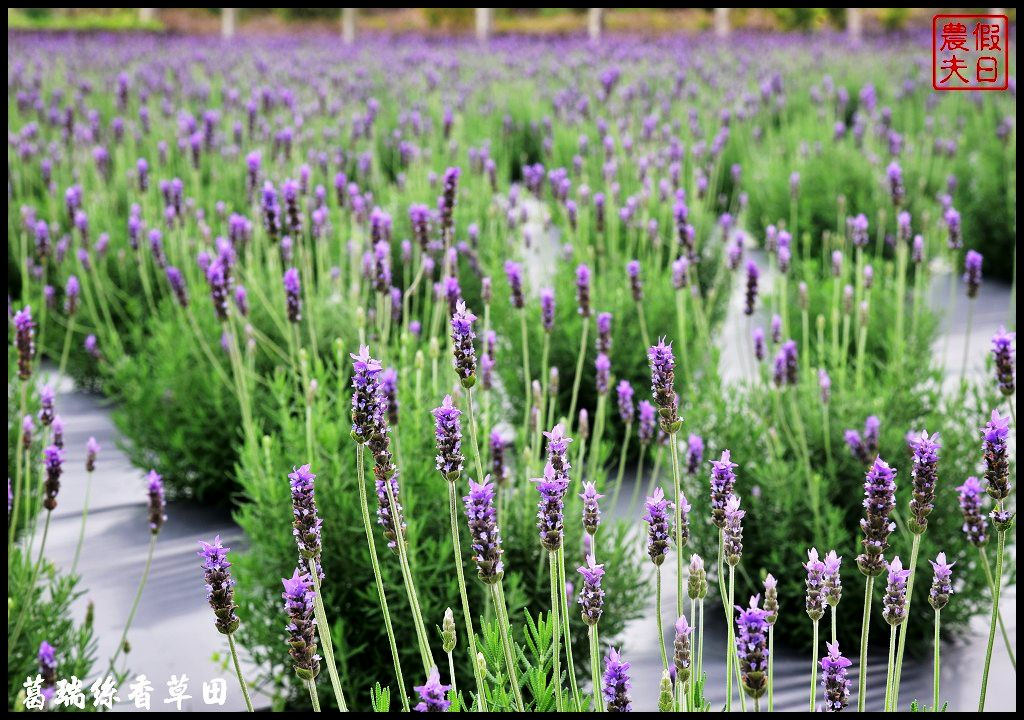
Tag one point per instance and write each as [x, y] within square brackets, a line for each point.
[349, 594]
[48, 618]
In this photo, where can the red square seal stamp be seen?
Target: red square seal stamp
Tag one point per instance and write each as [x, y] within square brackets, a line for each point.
[970, 52]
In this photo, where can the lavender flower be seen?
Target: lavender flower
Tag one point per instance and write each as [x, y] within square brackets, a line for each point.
[217, 278]
[604, 333]
[941, 588]
[483, 527]
[71, 292]
[752, 648]
[92, 449]
[47, 658]
[815, 599]
[53, 460]
[433, 695]
[824, 385]
[367, 411]
[694, 453]
[681, 650]
[299, 601]
[616, 683]
[879, 502]
[657, 515]
[733, 547]
[292, 290]
[894, 602]
[751, 297]
[997, 465]
[450, 185]
[57, 428]
[219, 585]
[602, 368]
[972, 272]
[591, 597]
[24, 331]
[624, 397]
[389, 393]
[514, 273]
[157, 505]
[177, 283]
[464, 355]
[547, 309]
[591, 509]
[771, 599]
[697, 584]
[498, 468]
[832, 580]
[46, 409]
[662, 364]
[833, 679]
[558, 452]
[647, 426]
[583, 291]
[759, 347]
[552, 488]
[306, 523]
[723, 480]
[975, 525]
[1004, 353]
[448, 435]
[635, 283]
[923, 477]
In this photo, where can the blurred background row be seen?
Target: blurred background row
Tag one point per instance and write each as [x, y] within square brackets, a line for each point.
[482, 21]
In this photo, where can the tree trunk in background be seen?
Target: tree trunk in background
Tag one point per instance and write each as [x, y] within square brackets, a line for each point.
[147, 15]
[854, 23]
[722, 22]
[595, 23]
[484, 18]
[348, 25]
[228, 22]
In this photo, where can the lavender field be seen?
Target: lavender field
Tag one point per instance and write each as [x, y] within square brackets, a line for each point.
[426, 373]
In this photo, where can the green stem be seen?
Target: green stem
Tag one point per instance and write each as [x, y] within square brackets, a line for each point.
[661, 629]
[935, 665]
[579, 373]
[566, 630]
[814, 666]
[323, 629]
[730, 643]
[467, 617]
[506, 643]
[967, 344]
[311, 686]
[526, 371]
[238, 671]
[622, 465]
[771, 668]
[1002, 626]
[556, 612]
[67, 346]
[914, 548]
[865, 625]
[890, 669]
[678, 524]
[595, 668]
[834, 640]
[997, 582]
[81, 529]
[375, 562]
[135, 603]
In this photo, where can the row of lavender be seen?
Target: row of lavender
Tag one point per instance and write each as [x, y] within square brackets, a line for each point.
[639, 202]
